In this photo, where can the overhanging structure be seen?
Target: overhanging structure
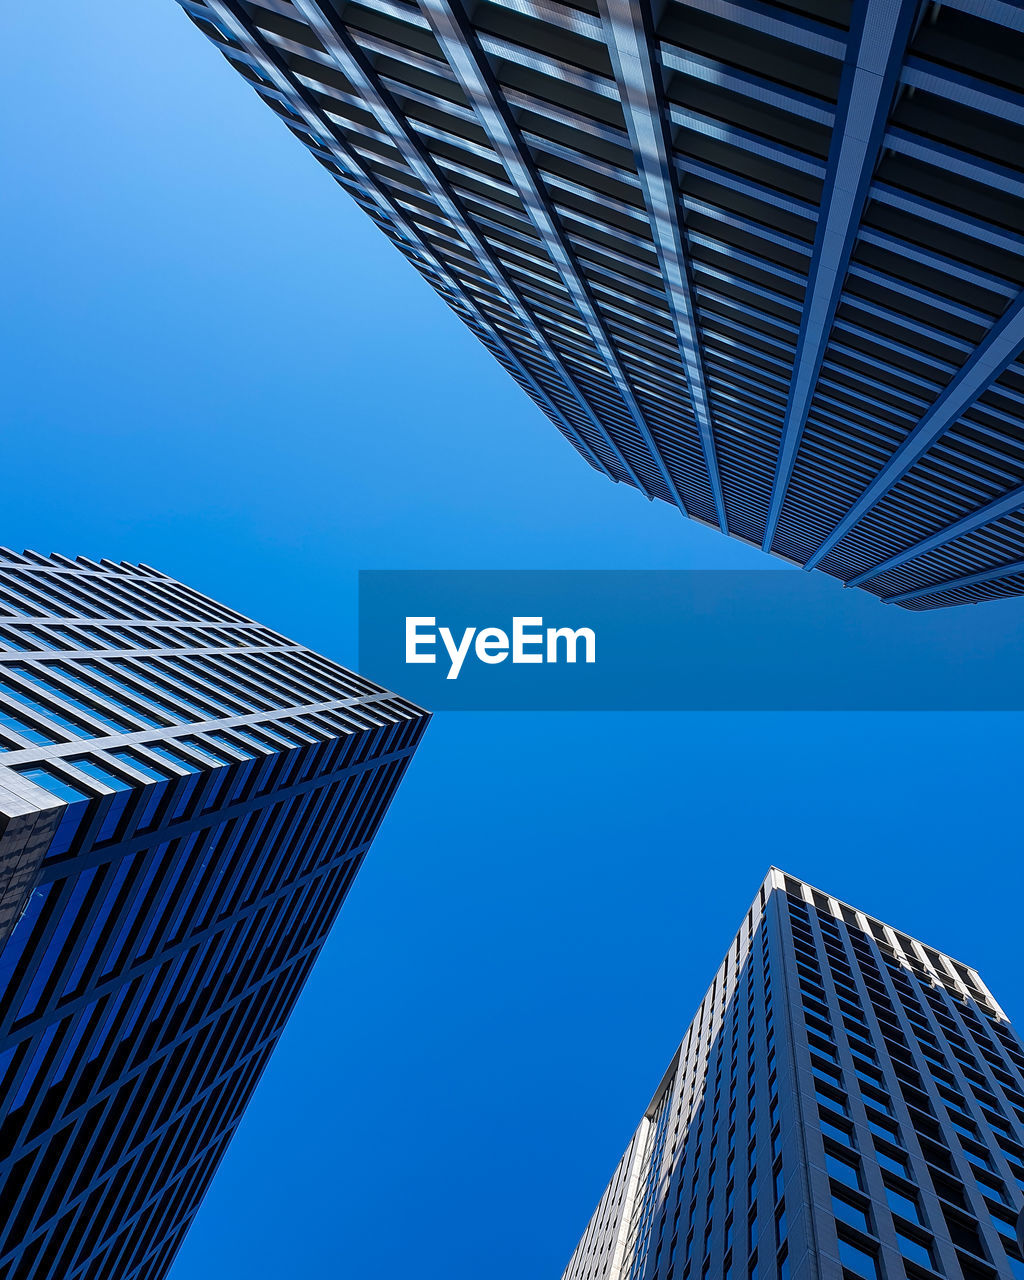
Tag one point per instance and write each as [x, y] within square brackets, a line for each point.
[759, 261]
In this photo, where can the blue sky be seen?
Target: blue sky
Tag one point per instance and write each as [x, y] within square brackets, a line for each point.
[215, 364]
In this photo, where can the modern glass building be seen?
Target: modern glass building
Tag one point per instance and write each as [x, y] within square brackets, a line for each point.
[762, 261]
[185, 798]
[847, 1104]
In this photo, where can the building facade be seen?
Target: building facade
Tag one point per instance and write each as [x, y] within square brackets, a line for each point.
[847, 1104]
[762, 261]
[185, 798]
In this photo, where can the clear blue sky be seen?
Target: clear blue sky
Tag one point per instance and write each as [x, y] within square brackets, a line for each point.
[215, 364]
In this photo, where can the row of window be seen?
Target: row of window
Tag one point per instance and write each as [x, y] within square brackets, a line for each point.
[61, 638]
[48, 701]
[44, 591]
[717, 1138]
[165, 782]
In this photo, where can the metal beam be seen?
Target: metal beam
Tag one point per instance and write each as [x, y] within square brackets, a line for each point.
[1004, 13]
[1000, 347]
[878, 41]
[977, 170]
[995, 510]
[242, 28]
[469, 63]
[969, 274]
[944, 215]
[965, 89]
[629, 44]
[746, 84]
[777, 23]
[951, 584]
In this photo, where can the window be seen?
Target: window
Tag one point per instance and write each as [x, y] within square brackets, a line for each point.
[151, 795]
[71, 822]
[962, 1125]
[12, 951]
[54, 783]
[112, 780]
[175, 757]
[914, 1249]
[110, 887]
[832, 1127]
[1015, 1264]
[991, 1186]
[118, 801]
[880, 1128]
[34, 1068]
[858, 1260]
[894, 1161]
[843, 1171]
[903, 1203]
[68, 924]
[874, 1098]
[853, 1214]
[97, 690]
[67, 698]
[976, 1154]
[830, 1097]
[25, 730]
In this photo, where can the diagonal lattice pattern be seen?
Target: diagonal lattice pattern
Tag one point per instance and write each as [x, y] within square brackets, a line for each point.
[185, 800]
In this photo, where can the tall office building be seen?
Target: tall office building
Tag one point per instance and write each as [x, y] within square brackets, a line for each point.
[848, 1104]
[185, 798]
[762, 261]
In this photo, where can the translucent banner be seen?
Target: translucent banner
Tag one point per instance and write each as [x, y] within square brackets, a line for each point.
[687, 640]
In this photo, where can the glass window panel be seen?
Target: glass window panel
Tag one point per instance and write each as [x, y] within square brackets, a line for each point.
[112, 818]
[54, 717]
[69, 921]
[175, 757]
[894, 1163]
[52, 782]
[100, 924]
[850, 1213]
[66, 698]
[843, 1172]
[913, 1250]
[30, 1076]
[857, 1259]
[97, 771]
[14, 948]
[140, 766]
[150, 803]
[25, 730]
[902, 1204]
[74, 1039]
[67, 829]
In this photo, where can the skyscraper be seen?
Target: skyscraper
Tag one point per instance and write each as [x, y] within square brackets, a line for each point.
[762, 261]
[185, 799]
[847, 1104]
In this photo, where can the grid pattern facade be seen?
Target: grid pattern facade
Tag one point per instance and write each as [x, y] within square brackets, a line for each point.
[847, 1104]
[185, 798]
[761, 261]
